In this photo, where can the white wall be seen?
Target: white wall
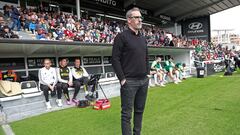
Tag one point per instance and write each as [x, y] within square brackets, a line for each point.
[182, 57]
[172, 30]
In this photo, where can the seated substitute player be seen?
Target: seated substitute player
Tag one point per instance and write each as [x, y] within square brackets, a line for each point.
[179, 71]
[181, 67]
[80, 77]
[169, 68]
[157, 71]
[47, 79]
[65, 80]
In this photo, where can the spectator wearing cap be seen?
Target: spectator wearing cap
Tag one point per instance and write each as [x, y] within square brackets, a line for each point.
[7, 33]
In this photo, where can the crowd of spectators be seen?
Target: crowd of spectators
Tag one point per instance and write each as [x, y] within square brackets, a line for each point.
[62, 26]
[91, 29]
[205, 51]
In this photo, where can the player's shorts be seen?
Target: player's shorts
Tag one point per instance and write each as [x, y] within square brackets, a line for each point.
[169, 68]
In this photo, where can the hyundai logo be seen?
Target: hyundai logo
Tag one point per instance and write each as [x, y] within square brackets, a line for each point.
[195, 25]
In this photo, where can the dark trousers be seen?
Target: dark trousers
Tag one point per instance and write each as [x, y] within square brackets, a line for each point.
[133, 96]
[16, 22]
[77, 84]
[46, 90]
[62, 87]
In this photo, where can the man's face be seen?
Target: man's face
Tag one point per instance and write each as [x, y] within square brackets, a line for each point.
[47, 64]
[64, 63]
[135, 20]
[1, 20]
[77, 63]
[6, 30]
[159, 60]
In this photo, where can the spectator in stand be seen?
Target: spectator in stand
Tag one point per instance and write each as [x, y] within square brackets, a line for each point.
[15, 16]
[68, 33]
[32, 26]
[70, 19]
[59, 32]
[40, 34]
[34, 16]
[166, 41]
[70, 25]
[7, 33]
[44, 24]
[2, 23]
[26, 23]
[6, 11]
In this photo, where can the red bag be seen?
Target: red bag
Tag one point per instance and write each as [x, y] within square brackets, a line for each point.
[102, 104]
[0, 75]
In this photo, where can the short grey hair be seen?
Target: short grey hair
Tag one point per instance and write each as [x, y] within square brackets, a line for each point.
[129, 12]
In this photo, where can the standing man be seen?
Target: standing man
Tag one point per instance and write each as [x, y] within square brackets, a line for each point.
[15, 15]
[64, 75]
[48, 79]
[130, 62]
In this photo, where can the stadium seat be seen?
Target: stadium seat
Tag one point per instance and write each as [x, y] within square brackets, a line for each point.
[30, 89]
[4, 99]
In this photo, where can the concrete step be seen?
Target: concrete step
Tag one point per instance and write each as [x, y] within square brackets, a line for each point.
[27, 107]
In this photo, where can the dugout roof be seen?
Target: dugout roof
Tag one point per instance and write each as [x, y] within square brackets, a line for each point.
[44, 48]
[177, 10]
[182, 9]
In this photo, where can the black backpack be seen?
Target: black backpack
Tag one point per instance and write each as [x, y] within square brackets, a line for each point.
[83, 103]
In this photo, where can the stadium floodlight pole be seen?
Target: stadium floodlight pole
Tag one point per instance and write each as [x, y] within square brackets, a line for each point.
[78, 9]
[176, 28]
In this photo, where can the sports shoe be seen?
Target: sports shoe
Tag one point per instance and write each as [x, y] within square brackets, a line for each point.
[48, 105]
[165, 81]
[75, 101]
[151, 85]
[157, 84]
[59, 102]
[179, 80]
[175, 82]
[149, 76]
[69, 102]
[162, 84]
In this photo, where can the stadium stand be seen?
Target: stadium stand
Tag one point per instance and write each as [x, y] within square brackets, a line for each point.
[62, 26]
